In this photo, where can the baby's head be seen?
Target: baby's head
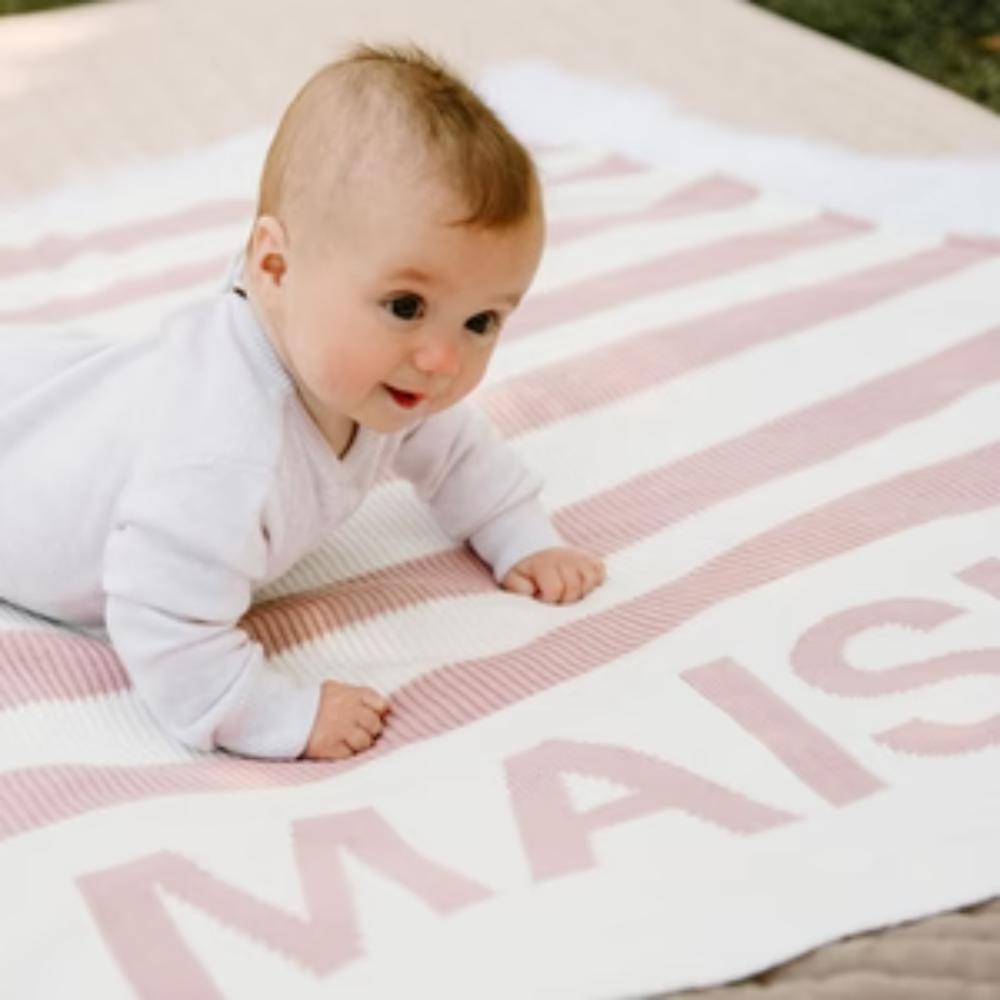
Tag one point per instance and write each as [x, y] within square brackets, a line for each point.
[399, 223]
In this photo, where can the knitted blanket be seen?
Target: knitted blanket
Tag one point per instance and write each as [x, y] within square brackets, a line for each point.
[776, 724]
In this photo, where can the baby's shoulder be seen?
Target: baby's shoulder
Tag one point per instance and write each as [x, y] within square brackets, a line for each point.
[213, 403]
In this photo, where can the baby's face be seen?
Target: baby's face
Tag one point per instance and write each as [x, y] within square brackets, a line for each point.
[399, 318]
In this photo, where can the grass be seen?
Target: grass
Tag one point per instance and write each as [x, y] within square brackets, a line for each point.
[26, 6]
[955, 43]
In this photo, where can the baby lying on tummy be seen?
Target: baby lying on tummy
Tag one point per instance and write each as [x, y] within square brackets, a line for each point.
[154, 484]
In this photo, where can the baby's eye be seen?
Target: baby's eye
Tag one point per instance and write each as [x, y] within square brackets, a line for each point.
[484, 322]
[406, 306]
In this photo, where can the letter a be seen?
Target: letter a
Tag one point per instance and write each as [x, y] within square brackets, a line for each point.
[557, 839]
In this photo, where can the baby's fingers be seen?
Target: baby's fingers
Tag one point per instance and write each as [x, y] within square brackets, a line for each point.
[551, 585]
[572, 578]
[357, 739]
[369, 721]
[339, 751]
[519, 583]
[374, 701]
[593, 575]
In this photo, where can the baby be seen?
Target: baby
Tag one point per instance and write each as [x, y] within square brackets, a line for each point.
[153, 485]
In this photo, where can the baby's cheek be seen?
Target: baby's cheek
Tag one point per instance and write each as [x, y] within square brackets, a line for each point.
[343, 375]
[469, 380]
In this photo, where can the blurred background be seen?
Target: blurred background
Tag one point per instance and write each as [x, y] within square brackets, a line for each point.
[955, 43]
[885, 108]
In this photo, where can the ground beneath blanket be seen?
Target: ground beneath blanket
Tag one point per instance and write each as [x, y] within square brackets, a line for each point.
[955, 956]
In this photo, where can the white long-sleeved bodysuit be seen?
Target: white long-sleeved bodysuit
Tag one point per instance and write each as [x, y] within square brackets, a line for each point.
[153, 485]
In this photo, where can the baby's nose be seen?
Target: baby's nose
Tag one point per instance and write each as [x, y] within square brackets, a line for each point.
[437, 355]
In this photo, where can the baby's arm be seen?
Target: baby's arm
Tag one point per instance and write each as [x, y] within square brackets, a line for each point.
[481, 492]
[180, 565]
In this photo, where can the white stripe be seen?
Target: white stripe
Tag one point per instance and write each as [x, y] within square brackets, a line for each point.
[106, 729]
[600, 196]
[94, 272]
[566, 340]
[622, 246]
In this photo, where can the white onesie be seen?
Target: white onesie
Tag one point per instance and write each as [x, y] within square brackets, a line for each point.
[153, 485]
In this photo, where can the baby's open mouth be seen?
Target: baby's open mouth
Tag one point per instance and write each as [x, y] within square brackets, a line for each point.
[403, 398]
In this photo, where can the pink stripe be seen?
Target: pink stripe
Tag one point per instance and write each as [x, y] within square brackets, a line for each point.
[610, 166]
[606, 374]
[611, 520]
[55, 250]
[35, 797]
[463, 692]
[713, 194]
[121, 294]
[285, 622]
[677, 269]
[55, 666]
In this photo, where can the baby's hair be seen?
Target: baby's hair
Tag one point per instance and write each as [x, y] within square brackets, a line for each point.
[380, 104]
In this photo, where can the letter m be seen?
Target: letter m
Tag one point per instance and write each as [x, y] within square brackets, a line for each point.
[129, 910]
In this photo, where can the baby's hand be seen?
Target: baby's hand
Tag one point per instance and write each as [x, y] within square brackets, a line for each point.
[556, 576]
[349, 720]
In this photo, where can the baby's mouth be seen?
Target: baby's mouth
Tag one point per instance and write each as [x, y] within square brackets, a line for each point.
[403, 398]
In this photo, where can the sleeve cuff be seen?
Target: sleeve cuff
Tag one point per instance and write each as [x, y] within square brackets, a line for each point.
[517, 533]
[274, 720]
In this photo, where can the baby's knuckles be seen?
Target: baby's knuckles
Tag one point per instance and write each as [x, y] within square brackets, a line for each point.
[337, 732]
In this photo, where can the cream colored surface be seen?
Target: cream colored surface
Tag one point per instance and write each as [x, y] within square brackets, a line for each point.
[94, 87]
[98, 85]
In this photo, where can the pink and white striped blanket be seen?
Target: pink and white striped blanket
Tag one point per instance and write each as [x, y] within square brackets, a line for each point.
[776, 724]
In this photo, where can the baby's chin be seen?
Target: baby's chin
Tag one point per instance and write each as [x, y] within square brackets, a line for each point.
[387, 415]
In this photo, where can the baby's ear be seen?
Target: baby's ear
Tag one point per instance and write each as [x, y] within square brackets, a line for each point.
[268, 248]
